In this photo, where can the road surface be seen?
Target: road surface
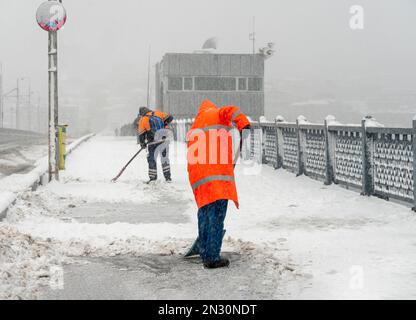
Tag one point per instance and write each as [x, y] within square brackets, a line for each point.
[19, 150]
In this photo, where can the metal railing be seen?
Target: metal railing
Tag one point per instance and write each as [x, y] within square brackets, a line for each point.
[377, 160]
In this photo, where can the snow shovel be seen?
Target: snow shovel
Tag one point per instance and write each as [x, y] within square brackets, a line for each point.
[194, 250]
[125, 167]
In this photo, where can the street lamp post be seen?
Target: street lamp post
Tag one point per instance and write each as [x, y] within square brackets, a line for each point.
[1, 96]
[27, 102]
[51, 16]
[53, 100]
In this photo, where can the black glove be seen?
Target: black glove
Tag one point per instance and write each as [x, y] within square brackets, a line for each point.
[143, 145]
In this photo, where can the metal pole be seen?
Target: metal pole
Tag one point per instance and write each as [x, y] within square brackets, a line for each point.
[38, 115]
[254, 35]
[18, 105]
[53, 106]
[148, 78]
[1, 96]
[56, 113]
[29, 110]
[414, 162]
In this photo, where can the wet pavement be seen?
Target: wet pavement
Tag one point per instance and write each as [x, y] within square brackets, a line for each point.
[166, 277]
[108, 213]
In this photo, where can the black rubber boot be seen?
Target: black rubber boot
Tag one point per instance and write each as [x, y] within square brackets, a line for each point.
[222, 263]
[151, 181]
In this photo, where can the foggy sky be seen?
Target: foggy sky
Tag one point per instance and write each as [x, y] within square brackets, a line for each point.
[103, 47]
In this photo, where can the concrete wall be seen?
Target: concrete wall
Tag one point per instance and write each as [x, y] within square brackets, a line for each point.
[186, 104]
[180, 64]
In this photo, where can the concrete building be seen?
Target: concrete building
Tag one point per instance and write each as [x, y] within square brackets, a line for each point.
[183, 81]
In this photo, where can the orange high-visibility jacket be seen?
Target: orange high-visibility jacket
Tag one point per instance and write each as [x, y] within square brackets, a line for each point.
[210, 153]
[144, 124]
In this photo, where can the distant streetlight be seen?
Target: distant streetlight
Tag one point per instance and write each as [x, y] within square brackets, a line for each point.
[18, 95]
[51, 16]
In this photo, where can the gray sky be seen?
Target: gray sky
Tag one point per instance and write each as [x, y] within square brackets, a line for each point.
[103, 47]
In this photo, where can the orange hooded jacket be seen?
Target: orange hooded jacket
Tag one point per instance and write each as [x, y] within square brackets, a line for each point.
[144, 124]
[210, 153]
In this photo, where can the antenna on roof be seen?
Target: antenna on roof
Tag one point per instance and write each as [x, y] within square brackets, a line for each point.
[211, 44]
[253, 35]
[148, 78]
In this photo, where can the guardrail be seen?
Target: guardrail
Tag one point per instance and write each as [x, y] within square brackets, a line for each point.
[12, 186]
[24, 133]
[377, 160]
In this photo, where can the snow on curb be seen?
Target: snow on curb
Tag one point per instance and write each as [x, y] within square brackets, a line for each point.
[6, 199]
[13, 185]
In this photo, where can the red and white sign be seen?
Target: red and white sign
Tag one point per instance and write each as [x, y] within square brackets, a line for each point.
[51, 16]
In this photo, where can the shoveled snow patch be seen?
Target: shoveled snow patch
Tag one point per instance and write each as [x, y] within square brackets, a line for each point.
[101, 191]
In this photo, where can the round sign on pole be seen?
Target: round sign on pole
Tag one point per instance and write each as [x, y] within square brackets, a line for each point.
[51, 16]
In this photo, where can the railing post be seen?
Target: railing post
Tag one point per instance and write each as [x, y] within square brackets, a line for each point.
[262, 150]
[367, 179]
[174, 130]
[414, 163]
[279, 142]
[301, 145]
[329, 152]
[182, 130]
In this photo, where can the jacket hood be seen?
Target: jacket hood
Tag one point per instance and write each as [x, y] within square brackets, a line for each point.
[144, 110]
[206, 105]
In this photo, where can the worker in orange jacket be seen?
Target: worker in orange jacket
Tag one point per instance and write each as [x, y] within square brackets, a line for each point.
[151, 135]
[211, 174]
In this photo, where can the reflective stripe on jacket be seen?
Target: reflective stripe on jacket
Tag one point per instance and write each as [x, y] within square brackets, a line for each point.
[210, 153]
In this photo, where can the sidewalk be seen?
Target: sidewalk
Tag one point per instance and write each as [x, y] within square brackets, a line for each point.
[292, 238]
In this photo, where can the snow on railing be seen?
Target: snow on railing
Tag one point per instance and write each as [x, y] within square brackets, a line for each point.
[377, 160]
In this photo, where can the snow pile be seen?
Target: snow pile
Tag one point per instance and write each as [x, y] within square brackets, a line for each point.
[371, 122]
[280, 119]
[302, 120]
[6, 198]
[25, 264]
[332, 121]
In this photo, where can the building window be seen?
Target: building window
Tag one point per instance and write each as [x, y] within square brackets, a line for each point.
[255, 84]
[215, 84]
[175, 84]
[188, 84]
[242, 84]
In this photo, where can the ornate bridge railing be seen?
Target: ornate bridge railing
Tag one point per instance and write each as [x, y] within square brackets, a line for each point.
[369, 157]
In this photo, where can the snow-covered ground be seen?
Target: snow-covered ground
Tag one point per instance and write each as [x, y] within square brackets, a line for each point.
[292, 238]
